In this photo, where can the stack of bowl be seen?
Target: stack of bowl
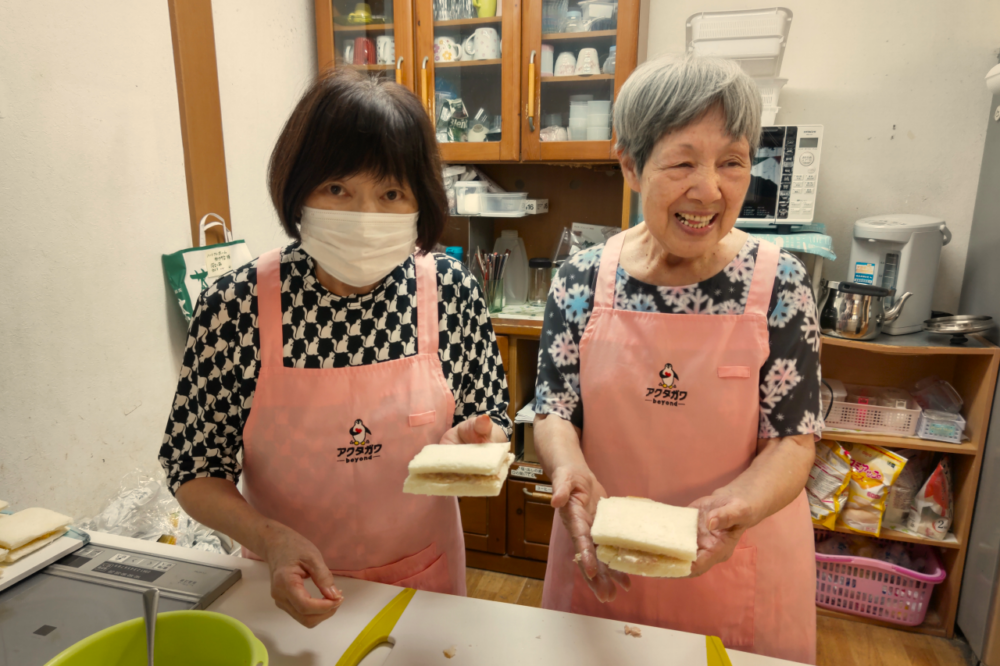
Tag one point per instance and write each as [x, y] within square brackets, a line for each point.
[598, 120]
[578, 120]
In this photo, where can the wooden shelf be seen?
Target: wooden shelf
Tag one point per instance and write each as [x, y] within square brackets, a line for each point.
[490, 20]
[469, 63]
[578, 79]
[371, 27]
[372, 68]
[932, 626]
[575, 36]
[915, 344]
[893, 442]
[893, 535]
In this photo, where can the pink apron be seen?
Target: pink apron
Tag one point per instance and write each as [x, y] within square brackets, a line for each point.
[671, 413]
[325, 451]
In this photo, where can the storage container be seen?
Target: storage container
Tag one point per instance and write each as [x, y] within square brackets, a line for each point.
[507, 204]
[941, 426]
[467, 193]
[866, 408]
[540, 270]
[872, 588]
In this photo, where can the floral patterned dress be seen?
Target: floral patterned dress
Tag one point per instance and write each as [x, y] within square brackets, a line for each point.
[789, 379]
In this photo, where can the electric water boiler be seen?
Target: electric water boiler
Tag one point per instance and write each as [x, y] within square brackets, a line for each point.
[900, 252]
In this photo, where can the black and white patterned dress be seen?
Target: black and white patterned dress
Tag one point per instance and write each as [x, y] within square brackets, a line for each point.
[789, 378]
[204, 435]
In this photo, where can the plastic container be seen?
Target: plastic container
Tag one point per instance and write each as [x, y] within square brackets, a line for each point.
[552, 120]
[183, 638]
[548, 57]
[540, 270]
[578, 110]
[553, 15]
[598, 133]
[507, 204]
[872, 588]
[467, 196]
[562, 251]
[609, 64]
[574, 21]
[515, 274]
[941, 426]
[863, 410]
[580, 98]
[599, 120]
[937, 394]
[455, 251]
[770, 91]
[598, 106]
[768, 115]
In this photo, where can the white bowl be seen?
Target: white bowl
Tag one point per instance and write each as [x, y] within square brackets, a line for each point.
[598, 133]
[580, 123]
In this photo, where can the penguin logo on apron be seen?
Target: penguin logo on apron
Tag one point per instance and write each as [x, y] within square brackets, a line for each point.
[359, 433]
[668, 377]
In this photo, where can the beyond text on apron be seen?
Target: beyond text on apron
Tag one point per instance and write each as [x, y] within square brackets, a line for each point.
[671, 413]
[325, 451]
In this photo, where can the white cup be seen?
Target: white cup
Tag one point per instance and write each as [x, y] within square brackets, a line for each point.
[477, 133]
[598, 120]
[565, 64]
[587, 62]
[598, 106]
[385, 48]
[598, 133]
[349, 53]
[547, 58]
[483, 44]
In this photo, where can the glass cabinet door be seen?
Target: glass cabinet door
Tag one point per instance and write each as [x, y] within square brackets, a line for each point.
[467, 68]
[577, 55]
[374, 36]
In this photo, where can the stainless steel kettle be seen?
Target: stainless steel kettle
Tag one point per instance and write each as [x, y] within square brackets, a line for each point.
[856, 311]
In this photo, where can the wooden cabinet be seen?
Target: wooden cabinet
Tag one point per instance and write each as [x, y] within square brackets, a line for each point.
[335, 33]
[493, 64]
[529, 519]
[484, 521]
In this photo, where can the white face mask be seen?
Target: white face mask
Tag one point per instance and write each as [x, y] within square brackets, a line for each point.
[359, 249]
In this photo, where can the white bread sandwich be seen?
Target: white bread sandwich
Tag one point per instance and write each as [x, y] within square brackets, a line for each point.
[639, 536]
[461, 470]
[28, 530]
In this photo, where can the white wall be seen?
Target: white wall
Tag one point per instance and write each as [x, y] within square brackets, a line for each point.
[266, 56]
[92, 192]
[899, 86]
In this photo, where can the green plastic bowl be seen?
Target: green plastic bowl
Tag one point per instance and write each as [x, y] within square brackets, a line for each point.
[183, 638]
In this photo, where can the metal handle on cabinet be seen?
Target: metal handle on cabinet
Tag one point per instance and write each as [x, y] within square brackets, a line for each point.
[545, 497]
[423, 86]
[399, 70]
[530, 111]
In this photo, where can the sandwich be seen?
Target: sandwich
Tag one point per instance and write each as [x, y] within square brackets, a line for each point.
[29, 530]
[461, 470]
[639, 536]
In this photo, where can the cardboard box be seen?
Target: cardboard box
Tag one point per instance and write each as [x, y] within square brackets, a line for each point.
[535, 206]
[529, 445]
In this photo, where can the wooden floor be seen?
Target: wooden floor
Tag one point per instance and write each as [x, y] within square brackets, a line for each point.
[838, 642]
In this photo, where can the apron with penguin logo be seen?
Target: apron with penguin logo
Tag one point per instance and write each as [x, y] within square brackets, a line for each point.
[672, 410]
[325, 451]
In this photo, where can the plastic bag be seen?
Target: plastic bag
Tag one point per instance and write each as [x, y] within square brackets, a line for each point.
[873, 470]
[143, 508]
[901, 494]
[932, 509]
[827, 484]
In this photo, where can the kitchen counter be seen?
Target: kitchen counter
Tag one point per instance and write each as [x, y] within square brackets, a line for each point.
[483, 632]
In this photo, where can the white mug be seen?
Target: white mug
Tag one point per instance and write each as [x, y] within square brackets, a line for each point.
[565, 64]
[477, 133]
[587, 62]
[483, 44]
[446, 50]
[349, 53]
[385, 47]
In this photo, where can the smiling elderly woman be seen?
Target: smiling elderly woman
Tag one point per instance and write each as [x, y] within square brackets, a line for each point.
[693, 350]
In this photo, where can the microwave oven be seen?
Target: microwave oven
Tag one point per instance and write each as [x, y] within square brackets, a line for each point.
[783, 177]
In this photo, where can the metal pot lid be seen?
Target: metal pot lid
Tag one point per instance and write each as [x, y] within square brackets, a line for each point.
[963, 324]
[862, 289]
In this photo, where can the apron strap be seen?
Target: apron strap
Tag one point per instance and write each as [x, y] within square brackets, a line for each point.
[765, 269]
[604, 291]
[427, 303]
[269, 309]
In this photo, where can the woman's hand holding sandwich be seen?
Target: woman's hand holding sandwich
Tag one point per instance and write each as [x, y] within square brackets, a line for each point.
[575, 493]
[776, 476]
[475, 430]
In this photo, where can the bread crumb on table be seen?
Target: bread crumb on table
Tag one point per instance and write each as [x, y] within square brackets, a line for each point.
[633, 631]
[451, 652]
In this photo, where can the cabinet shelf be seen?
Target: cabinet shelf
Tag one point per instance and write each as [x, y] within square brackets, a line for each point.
[578, 79]
[469, 63]
[933, 624]
[893, 535]
[372, 68]
[354, 29]
[490, 20]
[579, 36]
[893, 442]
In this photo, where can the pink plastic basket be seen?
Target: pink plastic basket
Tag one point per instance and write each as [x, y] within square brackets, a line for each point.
[876, 589]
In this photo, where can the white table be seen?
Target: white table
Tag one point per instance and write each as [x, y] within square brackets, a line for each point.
[484, 632]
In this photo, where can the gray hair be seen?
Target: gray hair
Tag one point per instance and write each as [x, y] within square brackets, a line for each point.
[665, 95]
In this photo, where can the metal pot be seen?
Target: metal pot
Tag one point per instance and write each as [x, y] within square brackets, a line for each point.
[856, 311]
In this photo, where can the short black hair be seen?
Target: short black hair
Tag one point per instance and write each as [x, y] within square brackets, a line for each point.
[349, 123]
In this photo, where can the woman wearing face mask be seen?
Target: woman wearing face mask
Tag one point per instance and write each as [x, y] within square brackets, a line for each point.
[328, 364]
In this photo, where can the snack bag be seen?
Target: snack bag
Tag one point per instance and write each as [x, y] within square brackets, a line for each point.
[932, 509]
[827, 484]
[901, 494]
[873, 470]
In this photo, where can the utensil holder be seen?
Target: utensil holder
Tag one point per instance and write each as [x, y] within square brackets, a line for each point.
[493, 293]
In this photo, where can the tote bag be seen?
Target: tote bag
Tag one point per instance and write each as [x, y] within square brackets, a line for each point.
[192, 271]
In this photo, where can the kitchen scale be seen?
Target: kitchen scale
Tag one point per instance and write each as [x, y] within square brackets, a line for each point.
[92, 589]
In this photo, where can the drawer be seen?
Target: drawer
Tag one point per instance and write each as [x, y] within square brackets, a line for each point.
[484, 522]
[529, 519]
